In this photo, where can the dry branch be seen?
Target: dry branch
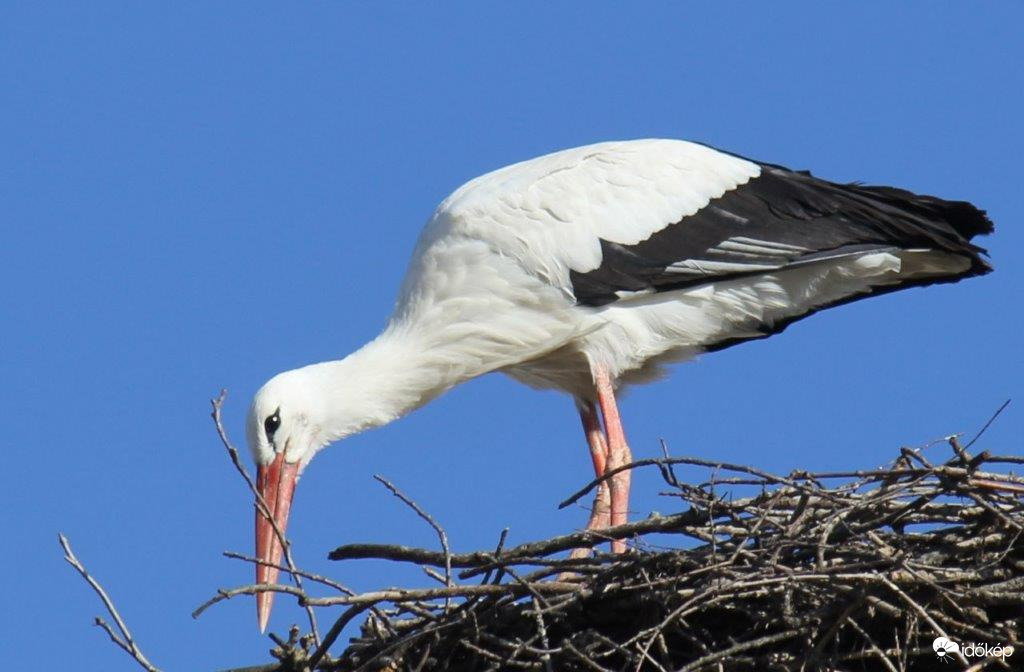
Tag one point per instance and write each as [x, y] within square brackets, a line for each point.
[123, 636]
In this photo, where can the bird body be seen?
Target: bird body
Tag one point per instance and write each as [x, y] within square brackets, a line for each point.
[590, 268]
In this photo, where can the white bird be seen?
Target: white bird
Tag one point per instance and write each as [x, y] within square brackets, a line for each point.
[591, 268]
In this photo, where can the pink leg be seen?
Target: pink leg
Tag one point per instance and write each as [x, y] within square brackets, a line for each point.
[595, 436]
[618, 452]
[599, 515]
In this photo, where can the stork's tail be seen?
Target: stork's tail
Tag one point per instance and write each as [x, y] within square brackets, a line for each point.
[950, 224]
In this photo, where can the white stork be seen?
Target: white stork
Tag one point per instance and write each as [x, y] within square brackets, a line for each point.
[590, 269]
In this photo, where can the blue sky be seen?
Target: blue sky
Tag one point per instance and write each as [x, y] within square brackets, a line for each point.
[200, 195]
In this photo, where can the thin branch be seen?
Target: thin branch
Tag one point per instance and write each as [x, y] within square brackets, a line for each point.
[334, 632]
[498, 550]
[738, 648]
[125, 640]
[920, 611]
[765, 476]
[988, 424]
[250, 589]
[441, 534]
[318, 578]
[479, 559]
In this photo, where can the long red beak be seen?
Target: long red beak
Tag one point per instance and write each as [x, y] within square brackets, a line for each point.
[276, 483]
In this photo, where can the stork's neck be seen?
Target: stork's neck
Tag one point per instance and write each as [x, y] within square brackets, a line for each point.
[388, 377]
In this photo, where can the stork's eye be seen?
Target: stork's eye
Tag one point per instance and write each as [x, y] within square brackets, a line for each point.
[271, 424]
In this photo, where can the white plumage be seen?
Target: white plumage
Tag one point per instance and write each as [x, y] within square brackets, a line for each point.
[481, 278]
[587, 269]
[549, 213]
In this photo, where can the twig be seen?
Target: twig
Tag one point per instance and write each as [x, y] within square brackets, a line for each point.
[441, 534]
[421, 594]
[250, 589]
[497, 554]
[583, 538]
[920, 611]
[739, 648]
[988, 424]
[397, 595]
[693, 461]
[318, 578]
[333, 633]
[125, 639]
[872, 645]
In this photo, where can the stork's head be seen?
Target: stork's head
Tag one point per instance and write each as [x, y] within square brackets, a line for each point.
[299, 412]
[284, 432]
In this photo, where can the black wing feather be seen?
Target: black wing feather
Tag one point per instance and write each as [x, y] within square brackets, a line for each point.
[799, 219]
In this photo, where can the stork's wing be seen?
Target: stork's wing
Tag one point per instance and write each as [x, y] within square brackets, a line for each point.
[777, 220]
[606, 221]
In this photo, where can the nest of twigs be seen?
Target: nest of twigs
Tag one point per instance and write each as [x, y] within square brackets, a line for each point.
[908, 566]
[845, 570]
